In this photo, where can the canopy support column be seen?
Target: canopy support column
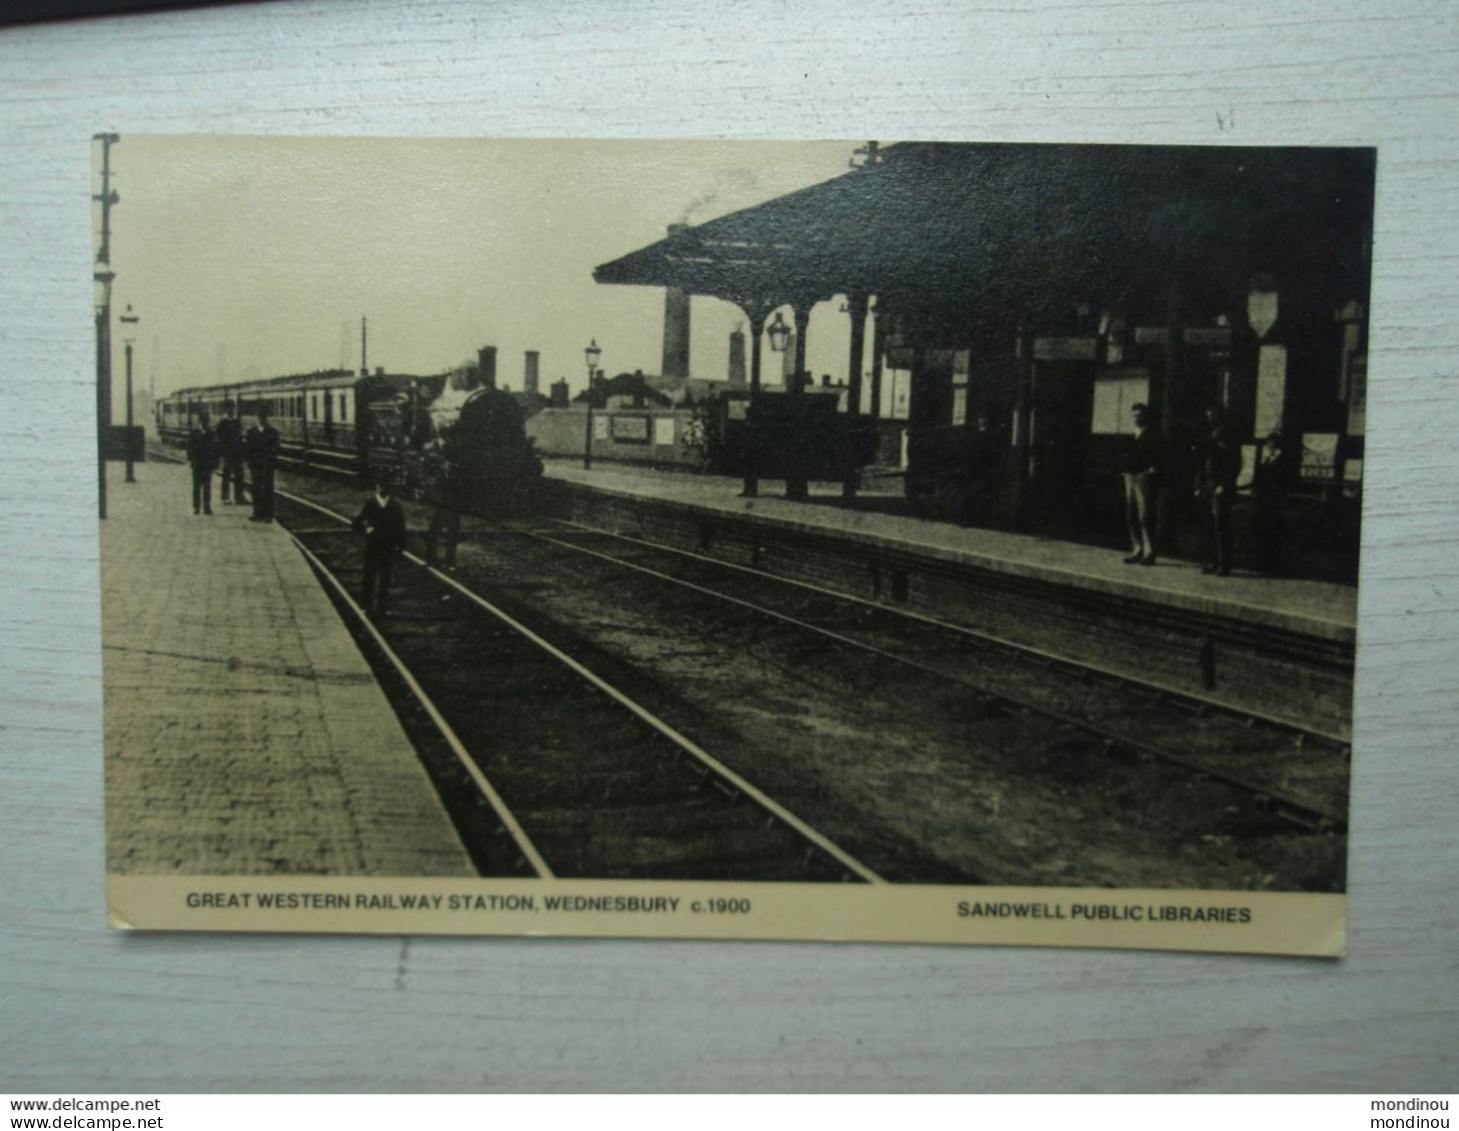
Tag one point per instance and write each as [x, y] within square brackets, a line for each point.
[796, 488]
[752, 437]
[856, 307]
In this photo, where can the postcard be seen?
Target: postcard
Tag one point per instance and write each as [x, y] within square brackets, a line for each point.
[899, 541]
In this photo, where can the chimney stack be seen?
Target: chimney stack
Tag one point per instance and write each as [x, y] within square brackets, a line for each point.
[737, 358]
[559, 394]
[486, 366]
[529, 376]
[676, 325]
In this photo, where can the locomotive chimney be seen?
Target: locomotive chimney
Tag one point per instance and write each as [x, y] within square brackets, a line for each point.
[676, 325]
[486, 366]
[529, 377]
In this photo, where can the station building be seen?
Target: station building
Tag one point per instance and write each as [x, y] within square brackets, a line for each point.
[1009, 304]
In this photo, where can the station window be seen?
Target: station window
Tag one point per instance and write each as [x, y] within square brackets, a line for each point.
[1320, 456]
[1271, 388]
[896, 391]
[1115, 393]
[961, 368]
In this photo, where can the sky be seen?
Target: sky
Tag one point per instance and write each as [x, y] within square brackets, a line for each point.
[250, 257]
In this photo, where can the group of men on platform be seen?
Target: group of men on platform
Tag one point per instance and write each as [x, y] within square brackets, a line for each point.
[381, 520]
[230, 446]
[1218, 469]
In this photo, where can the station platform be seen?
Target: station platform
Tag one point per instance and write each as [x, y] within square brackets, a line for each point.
[1223, 639]
[245, 732]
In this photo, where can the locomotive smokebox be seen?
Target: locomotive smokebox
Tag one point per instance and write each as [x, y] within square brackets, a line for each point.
[486, 366]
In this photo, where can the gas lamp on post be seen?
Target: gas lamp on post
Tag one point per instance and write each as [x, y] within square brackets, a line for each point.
[779, 333]
[591, 354]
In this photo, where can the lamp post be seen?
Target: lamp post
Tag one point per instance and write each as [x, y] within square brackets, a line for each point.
[129, 334]
[756, 312]
[592, 353]
[779, 334]
[103, 280]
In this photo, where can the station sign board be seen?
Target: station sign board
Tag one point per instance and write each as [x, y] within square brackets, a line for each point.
[1065, 349]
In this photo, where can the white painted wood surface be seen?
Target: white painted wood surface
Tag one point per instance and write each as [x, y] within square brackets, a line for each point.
[86, 1009]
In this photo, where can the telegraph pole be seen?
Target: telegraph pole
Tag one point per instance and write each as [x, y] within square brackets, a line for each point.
[364, 355]
[103, 278]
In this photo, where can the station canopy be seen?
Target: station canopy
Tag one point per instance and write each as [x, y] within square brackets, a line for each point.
[986, 233]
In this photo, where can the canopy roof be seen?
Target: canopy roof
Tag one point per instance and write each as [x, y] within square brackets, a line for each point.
[1007, 230]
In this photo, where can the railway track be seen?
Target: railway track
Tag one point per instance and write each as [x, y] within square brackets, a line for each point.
[1123, 760]
[546, 766]
[1125, 718]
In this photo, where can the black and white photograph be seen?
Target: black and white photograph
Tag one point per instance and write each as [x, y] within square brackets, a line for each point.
[884, 540]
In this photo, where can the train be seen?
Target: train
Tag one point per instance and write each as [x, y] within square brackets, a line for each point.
[394, 426]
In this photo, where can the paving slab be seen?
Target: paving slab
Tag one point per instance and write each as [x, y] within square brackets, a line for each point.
[245, 732]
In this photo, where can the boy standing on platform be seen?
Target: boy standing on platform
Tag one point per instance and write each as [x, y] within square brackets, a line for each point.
[202, 457]
[382, 521]
[1138, 466]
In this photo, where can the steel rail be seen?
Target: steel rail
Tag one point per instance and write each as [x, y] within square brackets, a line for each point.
[494, 799]
[820, 840]
[1307, 813]
[1196, 701]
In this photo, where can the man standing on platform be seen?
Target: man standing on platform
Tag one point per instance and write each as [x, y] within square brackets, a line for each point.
[1218, 468]
[202, 457]
[262, 449]
[382, 521]
[1138, 465]
[1272, 479]
[230, 444]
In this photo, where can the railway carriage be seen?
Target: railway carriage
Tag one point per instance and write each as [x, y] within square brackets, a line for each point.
[324, 417]
[378, 424]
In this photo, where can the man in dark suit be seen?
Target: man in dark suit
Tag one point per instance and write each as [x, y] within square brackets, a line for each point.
[382, 521]
[1274, 475]
[261, 446]
[1217, 469]
[444, 491]
[202, 457]
[230, 446]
